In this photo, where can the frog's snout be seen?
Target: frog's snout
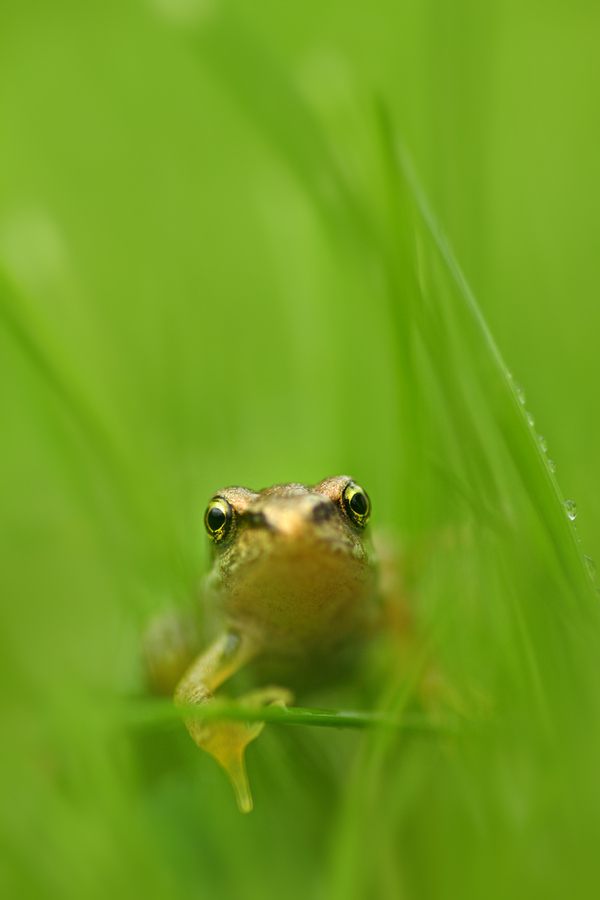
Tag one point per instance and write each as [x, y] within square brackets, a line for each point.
[293, 518]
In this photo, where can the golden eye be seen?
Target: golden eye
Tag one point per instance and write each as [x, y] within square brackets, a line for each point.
[218, 519]
[357, 505]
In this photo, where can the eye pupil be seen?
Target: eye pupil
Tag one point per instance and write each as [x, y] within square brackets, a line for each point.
[219, 520]
[359, 504]
[215, 518]
[356, 505]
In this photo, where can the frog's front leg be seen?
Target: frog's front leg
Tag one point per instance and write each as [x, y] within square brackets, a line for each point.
[226, 740]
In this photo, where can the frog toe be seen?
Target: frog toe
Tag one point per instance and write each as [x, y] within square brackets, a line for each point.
[272, 695]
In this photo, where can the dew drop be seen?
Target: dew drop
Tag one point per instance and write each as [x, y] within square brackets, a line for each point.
[570, 509]
[591, 567]
[543, 442]
[552, 465]
[519, 392]
[530, 419]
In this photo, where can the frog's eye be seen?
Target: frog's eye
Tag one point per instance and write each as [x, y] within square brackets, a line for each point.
[218, 519]
[357, 505]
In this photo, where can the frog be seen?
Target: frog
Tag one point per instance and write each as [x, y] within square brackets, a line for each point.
[294, 581]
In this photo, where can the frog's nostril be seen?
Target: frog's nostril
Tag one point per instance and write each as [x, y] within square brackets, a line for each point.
[322, 512]
[256, 520]
[295, 517]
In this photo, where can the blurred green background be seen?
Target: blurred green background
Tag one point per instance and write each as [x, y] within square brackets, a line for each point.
[216, 271]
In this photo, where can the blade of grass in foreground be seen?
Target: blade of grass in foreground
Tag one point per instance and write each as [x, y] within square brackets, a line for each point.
[536, 473]
[152, 713]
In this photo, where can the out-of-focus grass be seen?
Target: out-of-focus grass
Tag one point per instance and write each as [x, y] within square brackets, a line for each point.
[221, 268]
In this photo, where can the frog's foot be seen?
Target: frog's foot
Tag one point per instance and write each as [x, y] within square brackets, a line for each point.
[227, 741]
[273, 695]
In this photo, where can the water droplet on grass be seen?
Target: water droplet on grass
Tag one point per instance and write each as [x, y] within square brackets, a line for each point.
[591, 567]
[570, 509]
[519, 392]
[530, 419]
[543, 442]
[552, 465]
